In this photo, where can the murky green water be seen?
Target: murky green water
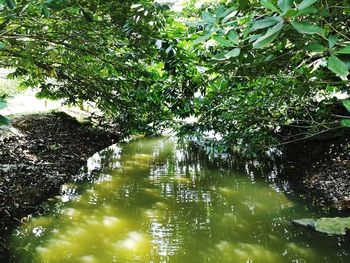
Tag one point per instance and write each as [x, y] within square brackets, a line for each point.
[153, 202]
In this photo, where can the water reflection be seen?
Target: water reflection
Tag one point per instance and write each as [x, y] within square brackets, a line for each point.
[149, 201]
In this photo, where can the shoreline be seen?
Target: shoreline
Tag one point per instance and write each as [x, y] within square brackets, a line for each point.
[48, 151]
[51, 148]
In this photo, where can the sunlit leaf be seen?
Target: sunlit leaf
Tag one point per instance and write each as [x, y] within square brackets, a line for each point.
[306, 11]
[346, 104]
[315, 47]
[345, 50]
[290, 13]
[2, 45]
[233, 36]
[202, 38]
[285, 5]
[220, 56]
[222, 41]
[270, 35]
[220, 11]
[233, 53]
[228, 11]
[209, 18]
[248, 26]
[267, 22]
[269, 5]
[332, 40]
[338, 67]
[306, 4]
[306, 28]
[228, 17]
[345, 123]
[3, 104]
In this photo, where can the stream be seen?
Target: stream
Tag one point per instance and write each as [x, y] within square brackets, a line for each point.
[150, 200]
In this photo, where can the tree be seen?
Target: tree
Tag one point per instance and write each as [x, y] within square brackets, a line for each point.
[274, 69]
[254, 73]
[102, 52]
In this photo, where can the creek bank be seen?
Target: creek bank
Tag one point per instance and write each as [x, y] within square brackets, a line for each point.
[321, 169]
[48, 151]
[51, 148]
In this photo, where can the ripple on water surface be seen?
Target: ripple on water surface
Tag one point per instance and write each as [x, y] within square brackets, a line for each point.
[151, 201]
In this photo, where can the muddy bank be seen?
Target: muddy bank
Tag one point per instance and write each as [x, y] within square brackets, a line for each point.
[321, 169]
[48, 151]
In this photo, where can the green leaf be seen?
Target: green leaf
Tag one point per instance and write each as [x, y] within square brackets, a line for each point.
[3, 104]
[2, 45]
[195, 23]
[227, 12]
[56, 4]
[228, 17]
[270, 35]
[220, 11]
[285, 5]
[202, 38]
[11, 4]
[338, 67]
[88, 15]
[306, 28]
[332, 40]
[222, 41]
[248, 26]
[269, 5]
[345, 50]
[290, 13]
[306, 11]
[345, 123]
[220, 56]
[4, 121]
[243, 4]
[306, 3]
[315, 47]
[267, 22]
[233, 53]
[45, 11]
[233, 36]
[252, 38]
[346, 104]
[208, 17]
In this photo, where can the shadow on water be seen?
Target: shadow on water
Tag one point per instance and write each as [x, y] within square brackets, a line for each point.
[152, 201]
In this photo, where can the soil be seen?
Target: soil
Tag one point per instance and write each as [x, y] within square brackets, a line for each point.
[321, 169]
[48, 150]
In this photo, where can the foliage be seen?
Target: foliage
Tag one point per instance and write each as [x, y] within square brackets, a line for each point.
[3, 104]
[101, 52]
[255, 73]
[275, 70]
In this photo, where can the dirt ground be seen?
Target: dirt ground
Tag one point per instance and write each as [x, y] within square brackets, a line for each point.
[322, 169]
[49, 150]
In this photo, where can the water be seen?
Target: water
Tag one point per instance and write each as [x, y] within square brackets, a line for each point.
[150, 201]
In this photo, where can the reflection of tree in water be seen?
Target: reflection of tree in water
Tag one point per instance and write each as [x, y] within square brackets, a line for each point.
[176, 205]
[100, 163]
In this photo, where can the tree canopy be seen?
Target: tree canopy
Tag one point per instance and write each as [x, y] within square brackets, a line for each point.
[254, 73]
